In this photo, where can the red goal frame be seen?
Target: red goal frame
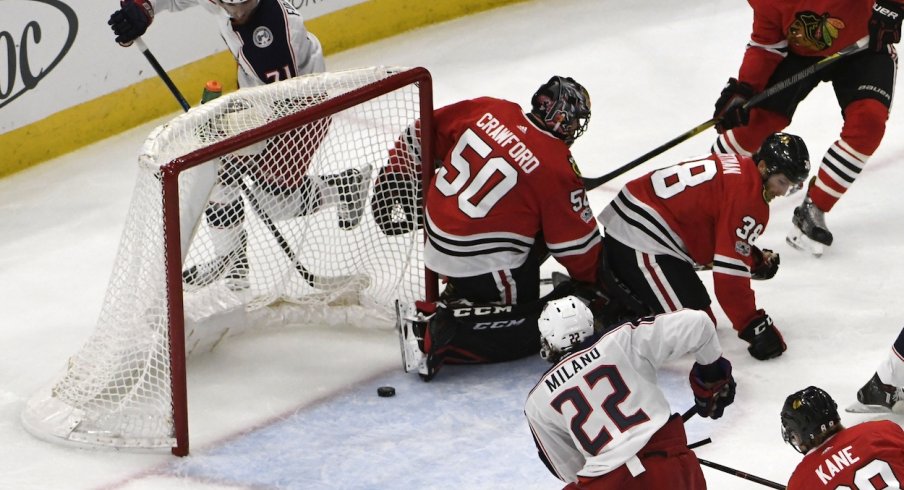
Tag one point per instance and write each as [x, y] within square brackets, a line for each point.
[169, 175]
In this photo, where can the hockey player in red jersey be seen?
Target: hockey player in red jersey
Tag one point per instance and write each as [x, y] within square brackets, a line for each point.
[600, 420]
[869, 455]
[269, 42]
[507, 195]
[787, 38]
[705, 212]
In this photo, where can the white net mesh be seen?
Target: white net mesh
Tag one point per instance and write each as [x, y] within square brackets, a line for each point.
[306, 226]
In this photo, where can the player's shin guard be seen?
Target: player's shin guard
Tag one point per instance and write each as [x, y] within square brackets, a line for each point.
[229, 241]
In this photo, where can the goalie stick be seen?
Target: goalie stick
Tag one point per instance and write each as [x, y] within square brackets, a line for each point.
[328, 283]
[591, 183]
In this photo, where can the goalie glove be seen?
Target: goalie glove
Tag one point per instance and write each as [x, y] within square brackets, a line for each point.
[765, 264]
[713, 387]
[131, 20]
[730, 110]
[885, 24]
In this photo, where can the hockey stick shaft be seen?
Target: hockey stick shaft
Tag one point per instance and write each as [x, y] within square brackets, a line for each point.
[311, 279]
[591, 183]
[741, 474]
[699, 443]
[162, 73]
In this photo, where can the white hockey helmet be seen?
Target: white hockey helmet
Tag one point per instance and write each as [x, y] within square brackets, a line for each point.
[563, 324]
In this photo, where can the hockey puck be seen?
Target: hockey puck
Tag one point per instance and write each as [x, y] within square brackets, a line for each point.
[386, 391]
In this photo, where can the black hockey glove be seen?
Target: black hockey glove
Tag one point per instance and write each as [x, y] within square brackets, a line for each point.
[131, 20]
[713, 387]
[885, 24]
[730, 110]
[765, 340]
[765, 263]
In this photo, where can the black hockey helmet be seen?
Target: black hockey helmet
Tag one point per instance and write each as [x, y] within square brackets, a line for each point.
[785, 154]
[809, 417]
[562, 105]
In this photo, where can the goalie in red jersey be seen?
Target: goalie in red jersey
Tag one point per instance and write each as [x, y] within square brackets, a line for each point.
[869, 455]
[705, 212]
[789, 37]
[507, 196]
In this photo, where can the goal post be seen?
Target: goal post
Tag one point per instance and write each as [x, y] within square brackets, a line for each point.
[269, 206]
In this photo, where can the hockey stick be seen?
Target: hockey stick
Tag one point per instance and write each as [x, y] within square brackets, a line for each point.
[741, 474]
[699, 443]
[162, 73]
[318, 282]
[591, 183]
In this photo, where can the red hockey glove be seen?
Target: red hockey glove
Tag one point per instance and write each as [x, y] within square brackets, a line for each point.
[131, 20]
[713, 387]
[765, 340]
[730, 110]
[765, 263]
[885, 24]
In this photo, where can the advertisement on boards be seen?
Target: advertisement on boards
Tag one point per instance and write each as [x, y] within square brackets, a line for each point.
[55, 54]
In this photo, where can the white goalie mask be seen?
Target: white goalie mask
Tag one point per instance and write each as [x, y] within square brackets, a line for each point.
[564, 324]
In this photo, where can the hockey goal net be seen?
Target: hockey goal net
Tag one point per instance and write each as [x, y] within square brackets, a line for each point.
[267, 206]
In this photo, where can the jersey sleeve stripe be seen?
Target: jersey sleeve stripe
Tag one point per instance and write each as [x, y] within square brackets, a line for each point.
[730, 266]
[780, 48]
[649, 223]
[575, 247]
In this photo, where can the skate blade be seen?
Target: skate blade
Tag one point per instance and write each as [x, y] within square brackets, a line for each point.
[858, 407]
[802, 242]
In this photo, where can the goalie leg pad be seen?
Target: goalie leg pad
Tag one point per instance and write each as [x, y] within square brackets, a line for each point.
[411, 326]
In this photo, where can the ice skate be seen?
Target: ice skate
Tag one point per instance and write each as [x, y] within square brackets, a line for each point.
[810, 233]
[232, 267]
[352, 185]
[878, 397]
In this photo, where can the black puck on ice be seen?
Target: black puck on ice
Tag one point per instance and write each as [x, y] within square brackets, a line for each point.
[386, 391]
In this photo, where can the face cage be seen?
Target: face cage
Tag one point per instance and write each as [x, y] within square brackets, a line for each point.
[565, 127]
[793, 439]
[546, 350]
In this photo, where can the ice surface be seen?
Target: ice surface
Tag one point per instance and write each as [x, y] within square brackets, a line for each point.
[298, 408]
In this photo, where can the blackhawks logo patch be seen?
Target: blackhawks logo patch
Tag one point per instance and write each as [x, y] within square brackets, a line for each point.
[574, 166]
[814, 31]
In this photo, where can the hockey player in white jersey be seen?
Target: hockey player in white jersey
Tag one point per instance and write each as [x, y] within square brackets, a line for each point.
[599, 419]
[267, 38]
[270, 43]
